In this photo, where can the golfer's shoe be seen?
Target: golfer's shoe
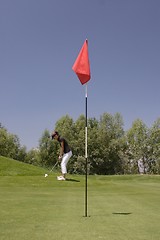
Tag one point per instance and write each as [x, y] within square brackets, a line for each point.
[61, 178]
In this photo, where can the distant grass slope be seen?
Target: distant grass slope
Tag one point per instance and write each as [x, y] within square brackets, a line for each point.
[10, 167]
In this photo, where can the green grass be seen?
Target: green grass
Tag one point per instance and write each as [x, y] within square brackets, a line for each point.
[9, 167]
[35, 207]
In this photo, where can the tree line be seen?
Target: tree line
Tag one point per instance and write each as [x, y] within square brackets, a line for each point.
[111, 150]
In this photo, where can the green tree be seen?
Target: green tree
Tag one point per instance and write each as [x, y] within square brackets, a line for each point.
[94, 145]
[154, 148]
[65, 126]
[137, 138]
[79, 136]
[33, 157]
[10, 145]
[108, 137]
[47, 150]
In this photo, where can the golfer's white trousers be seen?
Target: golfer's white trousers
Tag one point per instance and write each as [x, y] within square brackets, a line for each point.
[64, 161]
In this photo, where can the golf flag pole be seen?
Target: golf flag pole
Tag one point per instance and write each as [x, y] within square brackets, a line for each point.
[86, 158]
[82, 68]
[86, 154]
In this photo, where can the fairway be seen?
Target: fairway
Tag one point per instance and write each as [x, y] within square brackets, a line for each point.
[34, 207]
[119, 208]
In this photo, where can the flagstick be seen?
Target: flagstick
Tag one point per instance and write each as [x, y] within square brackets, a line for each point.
[86, 157]
[82, 68]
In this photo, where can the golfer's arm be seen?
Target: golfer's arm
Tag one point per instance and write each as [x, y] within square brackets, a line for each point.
[62, 149]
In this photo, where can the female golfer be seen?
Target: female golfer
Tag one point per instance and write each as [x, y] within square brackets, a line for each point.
[64, 156]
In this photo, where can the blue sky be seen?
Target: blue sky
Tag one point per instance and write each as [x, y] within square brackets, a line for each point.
[39, 42]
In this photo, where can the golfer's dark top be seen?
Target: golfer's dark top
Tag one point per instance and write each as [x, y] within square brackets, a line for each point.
[66, 146]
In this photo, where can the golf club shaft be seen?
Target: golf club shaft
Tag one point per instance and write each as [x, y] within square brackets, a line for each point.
[54, 166]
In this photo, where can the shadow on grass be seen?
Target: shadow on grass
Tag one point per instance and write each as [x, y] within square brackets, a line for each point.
[122, 213]
[72, 180]
[114, 213]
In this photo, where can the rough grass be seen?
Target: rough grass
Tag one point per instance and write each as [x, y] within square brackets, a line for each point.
[35, 207]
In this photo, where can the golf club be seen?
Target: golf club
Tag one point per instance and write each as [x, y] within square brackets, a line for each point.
[46, 175]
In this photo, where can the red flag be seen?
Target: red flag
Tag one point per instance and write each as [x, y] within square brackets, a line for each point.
[82, 66]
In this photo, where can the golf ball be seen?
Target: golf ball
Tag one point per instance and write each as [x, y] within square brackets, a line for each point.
[46, 175]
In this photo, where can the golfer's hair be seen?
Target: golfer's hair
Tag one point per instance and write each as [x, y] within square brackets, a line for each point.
[54, 134]
[57, 133]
